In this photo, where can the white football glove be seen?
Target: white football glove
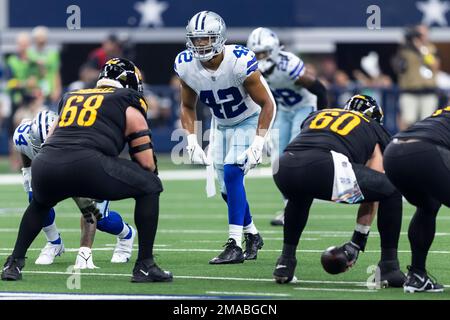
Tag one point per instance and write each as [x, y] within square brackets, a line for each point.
[26, 172]
[252, 156]
[195, 152]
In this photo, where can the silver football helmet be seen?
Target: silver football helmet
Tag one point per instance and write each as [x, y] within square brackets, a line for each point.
[40, 126]
[264, 40]
[205, 35]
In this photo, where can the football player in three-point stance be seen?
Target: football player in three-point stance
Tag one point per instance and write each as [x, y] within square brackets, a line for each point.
[296, 92]
[80, 158]
[28, 139]
[226, 79]
[417, 162]
[338, 156]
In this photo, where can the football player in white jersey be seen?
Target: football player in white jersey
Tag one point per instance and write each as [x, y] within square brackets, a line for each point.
[28, 138]
[296, 92]
[226, 79]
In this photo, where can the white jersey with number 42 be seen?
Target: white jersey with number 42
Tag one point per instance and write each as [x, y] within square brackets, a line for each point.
[21, 139]
[221, 90]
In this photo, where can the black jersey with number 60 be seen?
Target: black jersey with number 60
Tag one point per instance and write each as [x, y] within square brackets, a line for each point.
[95, 119]
[346, 132]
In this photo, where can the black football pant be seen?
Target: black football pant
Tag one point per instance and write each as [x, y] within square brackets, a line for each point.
[309, 174]
[58, 175]
[420, 170]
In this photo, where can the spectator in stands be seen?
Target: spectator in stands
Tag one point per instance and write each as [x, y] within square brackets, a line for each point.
[88, 75]
[48, 62]
[416, 64]
[111, 47]
[22, 75]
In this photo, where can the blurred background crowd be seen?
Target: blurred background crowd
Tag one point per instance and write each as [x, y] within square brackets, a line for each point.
[409, 78]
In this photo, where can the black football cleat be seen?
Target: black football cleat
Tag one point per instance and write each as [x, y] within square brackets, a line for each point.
[12, 269]
[232, 254]
[148, 271]
[420, 281]
[253, 242]
[278, 220]
[390, 274]
[285, 269]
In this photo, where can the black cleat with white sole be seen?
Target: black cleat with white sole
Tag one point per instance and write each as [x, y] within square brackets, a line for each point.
[253, 242]
[285, 269]
[420, 281]
[390, 274]
[232, 254]
[148, 271]
[12, 269]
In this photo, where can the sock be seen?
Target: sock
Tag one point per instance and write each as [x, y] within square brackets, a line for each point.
[50, 229]
[360, 236]
[388, 254]
[251, 228]
[421, 235]
[111, 223]
[146, 215]
[289, 250]
[126, 232]
[30, 226]
[389, 222]
[235, 232]
[236, 198]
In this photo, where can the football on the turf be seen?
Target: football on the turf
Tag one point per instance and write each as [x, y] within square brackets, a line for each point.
[334, 260]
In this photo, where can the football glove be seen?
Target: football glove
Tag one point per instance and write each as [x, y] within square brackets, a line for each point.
[26, 172]
[252, 156]
[88, 209]
[195, 152]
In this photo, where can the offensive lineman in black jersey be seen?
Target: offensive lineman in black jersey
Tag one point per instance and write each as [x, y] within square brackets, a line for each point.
[80, 159]
[417, 162]
[351, 140]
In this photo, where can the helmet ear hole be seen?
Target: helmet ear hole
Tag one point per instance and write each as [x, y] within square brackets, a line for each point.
[122, 73]
[366, 105]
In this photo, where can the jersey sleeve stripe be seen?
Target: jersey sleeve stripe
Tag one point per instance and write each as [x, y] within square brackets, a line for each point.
[252, 68]
[296, 68]
[298, 72]
[251, 62]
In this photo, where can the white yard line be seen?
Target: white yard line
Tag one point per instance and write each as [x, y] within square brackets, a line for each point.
[334, 289]
[72, 296]
[168, 175]
[299, 281]
[241, 293]
[162, 248]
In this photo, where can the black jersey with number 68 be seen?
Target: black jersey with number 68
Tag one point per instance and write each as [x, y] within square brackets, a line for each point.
[347, 132]
[95, 119]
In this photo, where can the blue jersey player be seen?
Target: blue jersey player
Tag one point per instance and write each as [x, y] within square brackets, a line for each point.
[226, 79]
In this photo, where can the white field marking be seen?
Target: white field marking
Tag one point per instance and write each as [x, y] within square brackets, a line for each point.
[98, 274]
[334, 289]
[317, 233]
[75, 296]
[265, 238]
[238, 293]
[168, 175]
[161, 249]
